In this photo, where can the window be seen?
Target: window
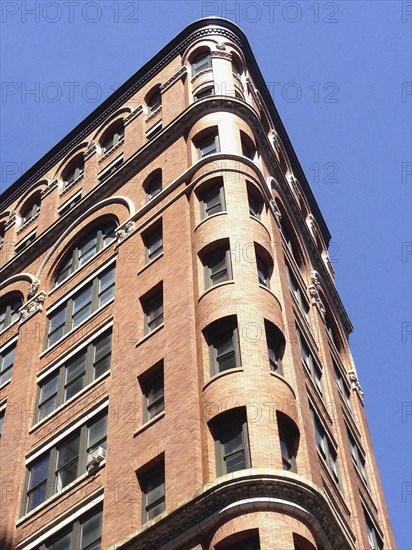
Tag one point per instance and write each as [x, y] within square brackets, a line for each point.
[208, 144]
[30, 211]
[300, 543]
[255, 203]
[112, 138]
[201, 62]
[358, 456]
[95, 241]
[374, 538]
[1, 234]
[73, 172]
[153, 242]
[325, 447]
[153, 309]
[222, 339]
[212, 200]
[71, 203]
[152, 384]
[310, 363]
[9, 311]
[80, 305]
[298, 294]
[155, 101]
[250, 543]
[83, 534]
[111, 169]
[248, 147]
[236, 68]
[204, 92]
[289, 241]
[217, 266]
[74, 375]
[263, 268]
[152, 483]
[229, 431]
[343, 387]
[276, 345]
[289, 441]
[6, 362]
[64, 462]
[2, 415]
[153, 185]
[22, 245]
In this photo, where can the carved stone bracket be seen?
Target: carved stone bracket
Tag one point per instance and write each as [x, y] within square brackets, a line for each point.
[33, 288]
[134, 114]
[173, 79]
[221, 45]
[51, 187]
[353, 377]
[316, 300]
[276, 211]
[124, 230]
[32, 307]
[328, 264]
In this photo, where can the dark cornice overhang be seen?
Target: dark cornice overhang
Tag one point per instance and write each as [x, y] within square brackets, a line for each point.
[199, 28]
[243, 494]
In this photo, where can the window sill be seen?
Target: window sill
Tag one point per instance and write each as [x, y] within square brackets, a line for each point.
[5, 329]
[281, 377]
[223, 213]
[259, 221]
[110, 151]
[221, 374]
[5, 384]
[28, 223]
[68, 402]
[152, 115]
[149, 423]
[210, 288]
[147, 336]
[202, 72]
[150, 263]
[69, 186]
[57, 495]
[71, 332]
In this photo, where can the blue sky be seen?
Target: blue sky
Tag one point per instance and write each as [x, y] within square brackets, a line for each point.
[338, 73]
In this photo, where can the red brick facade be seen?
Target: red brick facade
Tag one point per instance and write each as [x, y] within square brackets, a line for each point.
[258, 422]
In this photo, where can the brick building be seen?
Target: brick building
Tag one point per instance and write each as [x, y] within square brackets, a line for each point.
[175, 369]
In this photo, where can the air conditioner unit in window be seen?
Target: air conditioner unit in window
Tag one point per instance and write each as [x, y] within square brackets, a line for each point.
[95, 457]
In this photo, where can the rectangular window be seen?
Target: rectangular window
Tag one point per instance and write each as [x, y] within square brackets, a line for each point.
[326, 447]
[152, 482]
[217, 266]
[343, 387]
[201, 62]
[2, 415]
[298, 294]
[81, 305]
[310, 363]
[71, 203]
[212, 200]
[74, 374]
[374, 538]
[85, 533]
[152, 384]
[6, 362]
[231, 439]
[208, 145]
[153, 309]
[222, 339]
[64, 462]
[153, 242]
[358, 456]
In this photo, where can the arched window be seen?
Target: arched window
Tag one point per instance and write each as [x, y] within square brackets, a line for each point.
[236, 67]
[201, 61]
[153, 184]
[95, 241]
[289, 441]
[9, 310]
[112, 136]
[73, 171]
[154, 100]
[31, 209]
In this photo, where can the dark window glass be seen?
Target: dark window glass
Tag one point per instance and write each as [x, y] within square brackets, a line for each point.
[201, 62]
[217, 266]
[212, 200]
[114, 138]
[153, 488]
[230, 434]
[6, 363]
[153, 310]
[153, 242]
[222, 339]
[9, 312]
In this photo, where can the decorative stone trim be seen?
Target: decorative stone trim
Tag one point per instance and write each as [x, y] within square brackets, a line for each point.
[72, 184]
[125, 230]
[316, 301]
[355, 385]
[33, 287]
[11, 221]
[90, 151]
[32, 307]
[221, 55]
[328, 263]
[154, 113]
[173, 79]
[112, 150]
[221, 45]
[51, 187]
[29, 222]
[134, 114]
[275, 209]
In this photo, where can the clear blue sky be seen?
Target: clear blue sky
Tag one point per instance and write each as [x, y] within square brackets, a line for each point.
[338, 72]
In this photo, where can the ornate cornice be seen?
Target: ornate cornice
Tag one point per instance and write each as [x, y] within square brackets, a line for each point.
[51, 187]
[173, 79]
[124, 230]
[202, 514]
[32, 307]
[134, 114]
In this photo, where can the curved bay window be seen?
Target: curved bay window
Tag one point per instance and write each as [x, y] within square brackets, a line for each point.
[276, 346]
[200, 62]
[229, 431]
[223, 341]
[289, 441]
[95, 241]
